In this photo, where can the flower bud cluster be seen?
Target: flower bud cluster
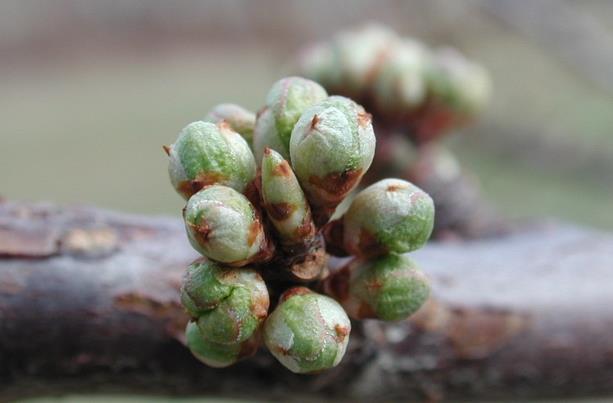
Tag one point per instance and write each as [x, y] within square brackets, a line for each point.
[260, 192]
[431, 91]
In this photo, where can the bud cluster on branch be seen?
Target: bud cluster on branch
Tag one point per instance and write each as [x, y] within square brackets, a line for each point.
[260, 193]
[405, 83]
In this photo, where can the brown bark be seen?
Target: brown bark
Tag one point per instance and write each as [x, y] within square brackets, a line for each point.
[89, 302]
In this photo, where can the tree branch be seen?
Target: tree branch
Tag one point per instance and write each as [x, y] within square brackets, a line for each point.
[89, 302]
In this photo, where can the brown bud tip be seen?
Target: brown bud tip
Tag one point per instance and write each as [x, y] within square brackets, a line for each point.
[267, 151]
[364, 119]
[314, 121]
[166, 150]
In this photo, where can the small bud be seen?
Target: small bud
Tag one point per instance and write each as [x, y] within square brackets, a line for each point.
[331, 147]
[457, 91]
[307, 332]
[240, 119]
[318, 62]
[360, 54]
[388, 288]
[284, 200]
[399, 85]
[391, 215]
[214, 354]
[206, 154]
[224, 226]
[286, 100]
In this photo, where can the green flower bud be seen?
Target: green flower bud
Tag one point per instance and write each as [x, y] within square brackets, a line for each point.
[214, 354]
[240, 119]
[331, 147]
[391, 215]
[206, 154]
[228, 305]
[318, 62]
[388, 288]
[284, 200]
[457, 84]
[399, 84]
[359, 54]
[286, 101]
[307, 332]
[207, 284]
[224, 226]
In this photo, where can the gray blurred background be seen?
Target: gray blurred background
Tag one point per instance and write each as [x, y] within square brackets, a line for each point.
[90, 90]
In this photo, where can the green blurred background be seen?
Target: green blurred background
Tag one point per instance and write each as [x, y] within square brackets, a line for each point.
[90, 90]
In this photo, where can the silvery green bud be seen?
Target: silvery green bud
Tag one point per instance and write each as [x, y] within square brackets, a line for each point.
[224, 226]
[206, 154]
[214, 354]
[388, 288]
[399, 84]
[240, 119]
[284, 200]
[359, 54]
[286, 101]
[331, 147]
[391, 215]
[457, 84]
[319, 63]
[207, 284]
[227, 305]
[307, 332]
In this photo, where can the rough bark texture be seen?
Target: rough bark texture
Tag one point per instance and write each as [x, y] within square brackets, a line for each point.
[89, 302]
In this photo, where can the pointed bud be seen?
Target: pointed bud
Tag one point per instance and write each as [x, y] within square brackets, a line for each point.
[240, 119]
[206, 154]
[307, 332]
[224, 226]
[331, 147]
[388, 288]
[227, 304]
[391, 215]
[284, 200]
[286, 101]
[214, 354]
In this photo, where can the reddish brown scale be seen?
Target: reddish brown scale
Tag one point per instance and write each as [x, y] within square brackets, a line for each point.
[314, 123]
[306, 230]
[341, 332]
[364, 119]
[166, 150]
[254, 229]
[250, 346]
[368, 246]
[310, 266]
[201, 231]
[366, 312]
[338, 283]
[293, 292]
[280, 211]
[333, 234]
[331, 190]
[395, 188]
[190, 187]
[224, 126]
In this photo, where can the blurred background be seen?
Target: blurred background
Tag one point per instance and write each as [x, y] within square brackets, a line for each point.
[90, 90]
